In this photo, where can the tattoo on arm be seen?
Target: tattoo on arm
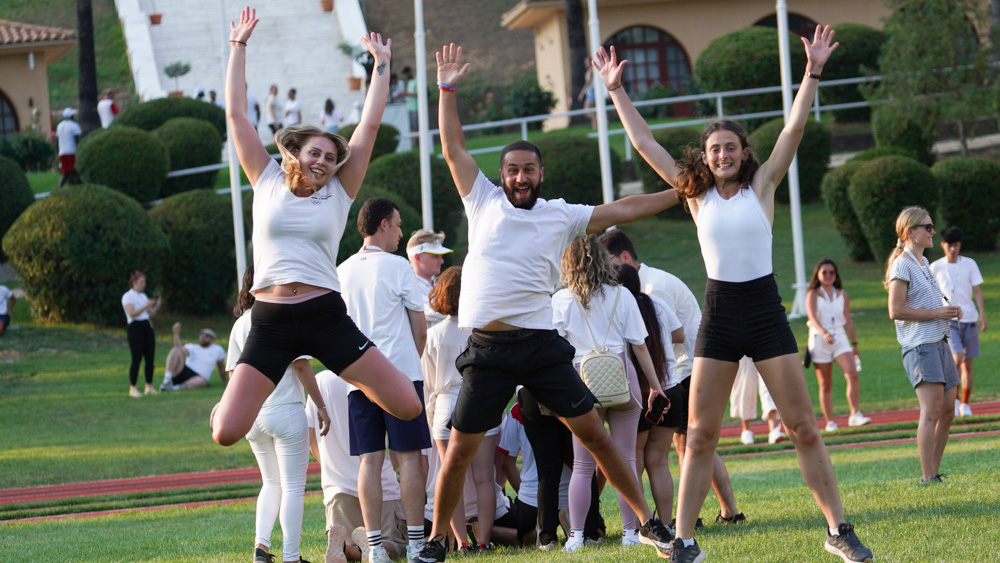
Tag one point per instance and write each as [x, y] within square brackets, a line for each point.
[381, 68]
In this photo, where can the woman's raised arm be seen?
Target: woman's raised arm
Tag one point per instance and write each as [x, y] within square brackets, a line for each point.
[249, 149]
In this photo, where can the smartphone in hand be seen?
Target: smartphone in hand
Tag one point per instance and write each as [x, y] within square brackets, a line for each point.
[661, 404]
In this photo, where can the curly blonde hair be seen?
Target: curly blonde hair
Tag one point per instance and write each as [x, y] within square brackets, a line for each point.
[290, 141]
[585, 268]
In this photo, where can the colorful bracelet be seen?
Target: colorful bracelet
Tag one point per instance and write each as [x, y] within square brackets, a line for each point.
[447, 87]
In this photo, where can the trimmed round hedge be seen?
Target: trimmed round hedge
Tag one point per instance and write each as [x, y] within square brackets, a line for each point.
[572, 166]
[154, 113]
[912, 128]
[399, 173]
[969, 200]
[860, 47]
[75, 249]
[15, 196]
[884, 150]
[837, 202]
[127, 159]
[350, 243]
[814, 156]
[200, 277]
[191, 142]
[880, 189]
[386, 140]
[32, 153]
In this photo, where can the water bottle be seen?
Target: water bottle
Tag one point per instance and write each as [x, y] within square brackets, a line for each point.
[857, 363]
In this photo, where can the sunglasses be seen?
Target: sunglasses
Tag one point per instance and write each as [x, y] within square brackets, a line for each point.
[929, 227]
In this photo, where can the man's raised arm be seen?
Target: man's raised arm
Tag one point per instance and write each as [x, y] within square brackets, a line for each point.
[464, 169]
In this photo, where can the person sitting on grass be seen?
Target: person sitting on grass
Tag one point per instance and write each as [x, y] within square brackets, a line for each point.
[190, 365]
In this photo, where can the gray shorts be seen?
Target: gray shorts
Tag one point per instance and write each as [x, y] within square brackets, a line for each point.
[964, 339]
[930, 363]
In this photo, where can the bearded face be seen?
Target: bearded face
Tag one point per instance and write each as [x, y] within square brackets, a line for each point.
[522, 177]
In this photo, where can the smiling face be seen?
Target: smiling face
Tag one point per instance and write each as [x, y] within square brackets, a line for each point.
[922, 234]
[723, 154]
[318, 160]
[827, 275]
[521, 174]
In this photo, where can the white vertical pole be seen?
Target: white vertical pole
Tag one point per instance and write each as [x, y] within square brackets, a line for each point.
[419, 38]
[600, 96]
[236, 195]
[798, 305]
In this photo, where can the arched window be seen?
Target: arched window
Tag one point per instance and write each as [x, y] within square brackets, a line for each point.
[654, 57]
[8, 117]
[798, 24]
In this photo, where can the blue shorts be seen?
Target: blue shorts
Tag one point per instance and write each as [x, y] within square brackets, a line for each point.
[4, 321]
[369, 425]
[964, 339]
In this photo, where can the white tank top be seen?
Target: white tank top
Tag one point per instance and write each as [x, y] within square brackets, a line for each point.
[735, 236]
[829, 310]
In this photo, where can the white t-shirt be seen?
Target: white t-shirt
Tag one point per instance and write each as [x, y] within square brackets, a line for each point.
[289, 388]
[106, 112]
[296, 239]
[252, 113]
[512, 266]
[67, 131]
[378, 288]
[202, 360]
[442, 381]
[513, 439]
[956, 281]
[432, 316]
[682, 302]
[922, 292]
[668, 323]
[626, 326]
[338, 468]
[330, 121]
[271, 114]
[131, 297]
[293, 112]
[5, 295]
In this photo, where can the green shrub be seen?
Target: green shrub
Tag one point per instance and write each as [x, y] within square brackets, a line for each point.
[154, 113]
[524, 97]
[31, 153]
[399, 173]
[74, 251]
[880, 189]
[386, 140]
[834, 190]
[814, 156]
[572, 166]
[350, 243]
[15, 196]
[746, 58]
[860, 47]
[200, 274]
[912, 128]
[656, 92]
[191, 142]
[126, 159]
[884, 150]
[969, 200]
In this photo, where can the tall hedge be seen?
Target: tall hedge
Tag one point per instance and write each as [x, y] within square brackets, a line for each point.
[838, 204]
[350, 243]
[746, 58]
[386, 140]
[15, 196]
[154, 113]
[75, 249]
[814, 156]
[572, 166]
[127, 159]
[191, 142]
[31, 152]
[912, 128]
[399, 173]
[880, 189]
[969, 199]
[200, 275]
[860, 47]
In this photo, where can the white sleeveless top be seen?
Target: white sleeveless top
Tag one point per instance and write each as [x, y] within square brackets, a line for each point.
[735, 236]
[829, 310]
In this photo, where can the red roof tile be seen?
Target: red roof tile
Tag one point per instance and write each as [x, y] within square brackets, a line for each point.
[15, 33]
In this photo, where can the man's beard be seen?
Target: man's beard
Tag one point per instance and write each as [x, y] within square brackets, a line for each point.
[533, 191]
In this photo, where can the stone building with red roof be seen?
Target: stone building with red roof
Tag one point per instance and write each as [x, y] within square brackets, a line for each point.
[25, 53]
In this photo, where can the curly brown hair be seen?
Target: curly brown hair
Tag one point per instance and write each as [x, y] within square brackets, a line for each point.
[585, 268]
[695, 177]
[444, 296]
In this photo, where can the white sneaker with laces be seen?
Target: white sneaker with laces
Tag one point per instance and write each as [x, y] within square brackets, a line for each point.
[964, 410]
[776, 435]
[858, 419]
[958, 407]
[746, 437]
[831, 426]
[379, 555]
[630, 538]
[572, 544]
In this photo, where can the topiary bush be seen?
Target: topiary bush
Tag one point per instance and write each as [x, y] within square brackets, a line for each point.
[350, 243]
[200, 278]
[814, 156]
[31, 153]
[884, 150]
[912, 128]
[126, 159]
[860, 47]
[835, 198]
[880, 189]
[572, 166]
[74, 251]
[399, 173]
[386, 140]
[656, 92]
[15, 196]
[154, 113]
[968, 199]
[524, 97]
[718, 70]
[191, 142]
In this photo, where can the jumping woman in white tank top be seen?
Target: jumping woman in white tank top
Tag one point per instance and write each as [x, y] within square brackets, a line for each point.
[731, 198]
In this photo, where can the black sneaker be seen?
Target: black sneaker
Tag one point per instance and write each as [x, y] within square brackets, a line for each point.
[681, 554]
[433, 551]
[737, 518]
[697, 524]
[261, 556]
[848, 546]
[654, 533]
[934, 479]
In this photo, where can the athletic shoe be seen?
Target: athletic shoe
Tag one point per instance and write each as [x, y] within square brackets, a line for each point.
[412, 551]
[551, 546]
[964, 410]
[630, 538]
[335, 542]
[654, 533]
[681, 554]
[135, 393]
[261, 556]
[167, 384]
[958, 409]
[697, 524]
[858, 419]
[831, 426]
[746, 437]
[360, 539]
[150, 391]
[776, 435]
[573, 544]
[379, 555]
[591, 542]
[737, 518]
[433, 551]
[934, 479]
[847, 545]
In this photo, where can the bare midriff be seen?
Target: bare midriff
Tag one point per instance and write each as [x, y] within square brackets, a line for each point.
[498, 326]
[287, 289]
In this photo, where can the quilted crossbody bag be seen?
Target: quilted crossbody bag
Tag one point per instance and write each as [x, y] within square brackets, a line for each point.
[602, 371]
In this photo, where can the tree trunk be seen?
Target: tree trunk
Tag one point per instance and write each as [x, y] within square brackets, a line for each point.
[88, 117]
[577, 36]
[963, 138]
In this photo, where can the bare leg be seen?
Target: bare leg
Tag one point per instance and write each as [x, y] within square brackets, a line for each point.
[451, 478]
[723, 487]
[943, 427]
[482, 475]
[380, 381]
[936, 413]
[175, 361]
[657, 458]
[824, 380]
[411, 486]
[846, 363]
[457, 515]
[370, 489]
[194, 383]
[240, 403]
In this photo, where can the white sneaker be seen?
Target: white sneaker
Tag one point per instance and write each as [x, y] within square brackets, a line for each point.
[572, 544]
[831, 426]
[776, 435]
[858, 419]
[360, 539]
[964, 410]
[630, 538]
[746, 437]
[958, 407]
[551, 546]
[379, 555]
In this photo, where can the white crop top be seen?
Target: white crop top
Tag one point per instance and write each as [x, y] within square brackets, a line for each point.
[296, 239]
[829, 310]
[735, 236]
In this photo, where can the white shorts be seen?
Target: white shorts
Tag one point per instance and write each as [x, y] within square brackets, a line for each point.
[823, 352]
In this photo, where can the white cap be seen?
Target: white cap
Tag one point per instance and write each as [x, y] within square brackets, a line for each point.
[69, 112]
[428, 247]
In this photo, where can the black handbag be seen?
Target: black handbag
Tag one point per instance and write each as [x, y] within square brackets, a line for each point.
[807, 359]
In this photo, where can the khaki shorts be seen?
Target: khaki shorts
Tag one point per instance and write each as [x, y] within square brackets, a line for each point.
[345, 510]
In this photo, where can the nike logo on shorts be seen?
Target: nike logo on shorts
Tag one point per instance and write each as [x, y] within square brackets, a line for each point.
[578, 403]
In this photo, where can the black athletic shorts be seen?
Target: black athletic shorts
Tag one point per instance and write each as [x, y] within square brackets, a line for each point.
[744, 319]
[495, 363]
[677, 415]
[318, 327]
[526, 516]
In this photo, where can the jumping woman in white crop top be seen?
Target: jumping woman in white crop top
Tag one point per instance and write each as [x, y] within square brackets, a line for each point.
[300, 210]
[731, 198]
